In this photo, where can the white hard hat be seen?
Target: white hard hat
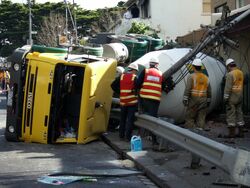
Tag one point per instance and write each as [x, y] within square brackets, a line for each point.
[133, 66]
[197, 62]
[153, 61]
[119, 69]
[229, 61]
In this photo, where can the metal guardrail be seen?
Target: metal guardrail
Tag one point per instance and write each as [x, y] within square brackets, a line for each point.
[234, 161]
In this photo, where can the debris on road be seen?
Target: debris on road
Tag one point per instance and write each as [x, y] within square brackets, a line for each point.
[62, 180]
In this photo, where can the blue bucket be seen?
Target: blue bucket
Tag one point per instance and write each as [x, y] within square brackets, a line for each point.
[136, 143]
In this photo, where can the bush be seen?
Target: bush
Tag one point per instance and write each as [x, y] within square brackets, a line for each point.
[139, 28]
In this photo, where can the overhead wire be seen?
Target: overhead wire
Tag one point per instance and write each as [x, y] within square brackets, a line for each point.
[183, 74]
[201, 56]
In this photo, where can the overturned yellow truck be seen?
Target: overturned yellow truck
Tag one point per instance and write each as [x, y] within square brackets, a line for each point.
[58, 97]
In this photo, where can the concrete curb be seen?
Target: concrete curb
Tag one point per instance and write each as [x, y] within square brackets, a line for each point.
[160, 176]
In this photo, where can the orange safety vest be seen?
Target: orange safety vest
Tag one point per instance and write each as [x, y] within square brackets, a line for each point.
[199, 85]
[7, 76]
[238, 79]
[1, 75]
[151, 87]
[127, 86]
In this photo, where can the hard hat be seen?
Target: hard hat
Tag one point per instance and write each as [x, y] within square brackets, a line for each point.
[153, 61]
[229, 61]
[119, 69]
[197, 62]
[133, 66]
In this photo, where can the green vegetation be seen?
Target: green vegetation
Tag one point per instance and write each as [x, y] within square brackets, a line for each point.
[142, 28]
[139, 28]
[14, 22]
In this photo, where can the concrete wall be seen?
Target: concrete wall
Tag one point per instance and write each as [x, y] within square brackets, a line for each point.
[174, 18]
[177, 18]
[191, 39]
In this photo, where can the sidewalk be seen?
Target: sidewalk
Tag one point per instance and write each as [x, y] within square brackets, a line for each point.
[170, 167]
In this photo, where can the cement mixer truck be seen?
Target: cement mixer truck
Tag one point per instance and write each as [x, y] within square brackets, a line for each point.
[172, 107]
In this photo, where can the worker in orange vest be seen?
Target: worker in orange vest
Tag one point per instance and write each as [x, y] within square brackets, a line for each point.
[150, 82]
[7, 79]
[233, 98]
[2, 78]
[197, 97]
[128, 100]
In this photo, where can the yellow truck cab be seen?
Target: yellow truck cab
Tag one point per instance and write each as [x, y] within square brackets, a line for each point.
[58, 97]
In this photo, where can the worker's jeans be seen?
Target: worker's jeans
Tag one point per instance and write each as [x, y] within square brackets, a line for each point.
[127, 121]
[150, 107]
[234, 114]
[196, 113]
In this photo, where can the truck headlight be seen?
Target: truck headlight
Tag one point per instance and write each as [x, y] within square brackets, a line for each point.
[16, 67]
[11, 129]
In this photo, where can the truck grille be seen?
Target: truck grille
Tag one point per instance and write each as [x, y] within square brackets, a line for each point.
[30, 99]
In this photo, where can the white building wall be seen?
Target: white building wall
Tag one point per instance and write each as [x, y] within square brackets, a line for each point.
[178, 17]
[172, 18]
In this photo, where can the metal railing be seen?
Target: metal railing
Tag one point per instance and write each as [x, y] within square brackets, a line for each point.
[234, 161]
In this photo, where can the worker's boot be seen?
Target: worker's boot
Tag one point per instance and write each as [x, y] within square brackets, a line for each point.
[195, 162]
[189, 125]
[241, 132]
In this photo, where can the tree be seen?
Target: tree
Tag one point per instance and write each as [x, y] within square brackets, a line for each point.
[13, 26]
[120, 3]
[14, 22]
[51, 27]
[40, 12]
[85, 19]
[108, 19]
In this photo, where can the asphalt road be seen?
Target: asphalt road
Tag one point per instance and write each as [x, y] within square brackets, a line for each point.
[22, 163]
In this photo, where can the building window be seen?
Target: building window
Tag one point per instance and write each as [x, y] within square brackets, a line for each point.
[219, 8]
[206, 6]
[240, 3]
[134, 10]
[144, 4]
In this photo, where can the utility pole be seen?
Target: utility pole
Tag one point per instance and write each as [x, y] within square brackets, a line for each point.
[74, 7]
[66, 23]
[30, 42]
